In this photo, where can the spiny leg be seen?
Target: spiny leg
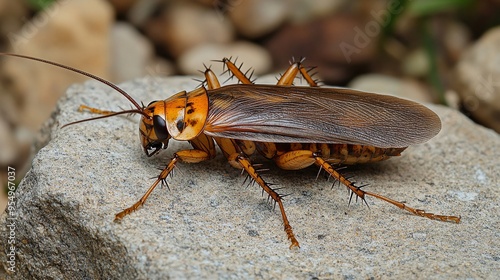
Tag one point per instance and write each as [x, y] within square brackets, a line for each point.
[249, 168]
[189, 156]
[361, 194]
[161, 178]
[232, 151]
[211, 79]
[293, 70]
[236, 71]
[286, 79]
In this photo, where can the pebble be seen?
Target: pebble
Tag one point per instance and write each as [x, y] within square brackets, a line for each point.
[7, 141]
[140, 13]
[301, 11]
[122, 6]
[456, 39]
[250, 54]
[131, 52]
[383, 84]
[12, 14]
[159, 67]
[72, 33]
[257, 18]
[416, 63]
[338, 46]
[476, 80]
[184, 26]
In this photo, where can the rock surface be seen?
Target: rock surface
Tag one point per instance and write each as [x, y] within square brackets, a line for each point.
[209, 225]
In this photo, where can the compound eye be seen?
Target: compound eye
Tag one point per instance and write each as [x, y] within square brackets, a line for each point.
[160, 127]
[180, 125]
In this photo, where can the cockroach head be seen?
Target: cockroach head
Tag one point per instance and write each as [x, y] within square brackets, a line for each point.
[153, 131]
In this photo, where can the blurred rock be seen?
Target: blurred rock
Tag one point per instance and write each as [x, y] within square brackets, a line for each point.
[339, 46]
[186, 25]
[257, 18]
[211, 3]
[73, 33]
[12, 14]
[305, 10]
[452, 99]
[160, 67]
[383, 84]
[476, 80]
[130, 52]
[250, 54]
[416, 63]
[456, 38]
[123, 6]
[8, 144]
[142, 11]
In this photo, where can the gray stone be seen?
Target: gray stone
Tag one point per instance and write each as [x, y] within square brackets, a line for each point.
[207, 224]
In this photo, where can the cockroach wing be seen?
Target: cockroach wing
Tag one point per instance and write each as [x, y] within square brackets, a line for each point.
[288, 114]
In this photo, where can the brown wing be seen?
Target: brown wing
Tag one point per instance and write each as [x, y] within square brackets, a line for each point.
[286, 114]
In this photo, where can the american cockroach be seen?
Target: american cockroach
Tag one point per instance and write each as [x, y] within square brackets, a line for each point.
[294, 126]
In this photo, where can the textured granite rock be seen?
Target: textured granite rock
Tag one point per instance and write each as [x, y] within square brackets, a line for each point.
[210, 225]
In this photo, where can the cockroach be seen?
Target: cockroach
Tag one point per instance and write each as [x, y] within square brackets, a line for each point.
[294, 126]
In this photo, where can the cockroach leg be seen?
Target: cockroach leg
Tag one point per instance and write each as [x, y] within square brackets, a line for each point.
[211, 79]
[305, 73]
[286, 79]
[236, 71]
[247, 166]
[418, 212]
[235, 154]
[188, 156]
[163, 176]
[293, 70]
[361, 194]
